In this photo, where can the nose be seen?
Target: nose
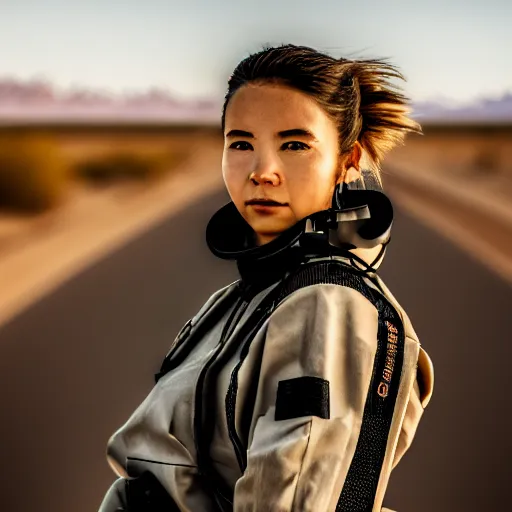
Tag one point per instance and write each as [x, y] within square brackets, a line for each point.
[266, 172]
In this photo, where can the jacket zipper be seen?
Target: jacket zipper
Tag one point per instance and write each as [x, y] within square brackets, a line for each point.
[235, 315]
[230, 401]
[269, 304]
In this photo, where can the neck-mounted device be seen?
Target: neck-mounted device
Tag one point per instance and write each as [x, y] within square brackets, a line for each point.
[360, 216]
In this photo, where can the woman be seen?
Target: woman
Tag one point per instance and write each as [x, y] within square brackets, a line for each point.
[299, 386]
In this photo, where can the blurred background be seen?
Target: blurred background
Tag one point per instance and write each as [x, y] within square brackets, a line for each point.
[110, 153]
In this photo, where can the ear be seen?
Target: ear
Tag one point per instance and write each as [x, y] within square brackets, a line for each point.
[351, 165]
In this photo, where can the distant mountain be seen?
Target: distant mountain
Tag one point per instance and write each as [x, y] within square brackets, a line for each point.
[484, 110]
[39, 101]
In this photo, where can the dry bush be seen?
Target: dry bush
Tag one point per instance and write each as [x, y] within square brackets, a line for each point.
[126, 165]
[487, 161]
[33, 175]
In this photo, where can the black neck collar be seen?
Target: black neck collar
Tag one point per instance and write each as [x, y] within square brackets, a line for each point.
[229, 236]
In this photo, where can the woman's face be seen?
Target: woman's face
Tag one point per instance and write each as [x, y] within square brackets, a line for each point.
[279, 145]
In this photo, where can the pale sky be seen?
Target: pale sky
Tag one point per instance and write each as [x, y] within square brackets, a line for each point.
[453, 49]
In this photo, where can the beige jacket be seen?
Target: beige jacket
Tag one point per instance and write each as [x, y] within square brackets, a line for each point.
[307, 409]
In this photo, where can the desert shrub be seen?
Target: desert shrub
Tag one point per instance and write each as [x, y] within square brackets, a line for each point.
[33, 174]
[487, 161]
[124, 165]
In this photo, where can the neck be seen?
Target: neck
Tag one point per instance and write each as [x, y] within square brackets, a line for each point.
[260, 273]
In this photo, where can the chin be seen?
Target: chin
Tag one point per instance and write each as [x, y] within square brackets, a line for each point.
[270, 230]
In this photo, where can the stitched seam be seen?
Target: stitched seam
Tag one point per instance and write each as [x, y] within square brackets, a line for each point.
[302, 464]
[160, 462]
[294, 292]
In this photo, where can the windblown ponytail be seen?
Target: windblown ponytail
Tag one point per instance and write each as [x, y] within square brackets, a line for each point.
[357, 94]
[383, 111]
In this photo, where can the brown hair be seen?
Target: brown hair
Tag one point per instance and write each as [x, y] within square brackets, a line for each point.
[356, 94]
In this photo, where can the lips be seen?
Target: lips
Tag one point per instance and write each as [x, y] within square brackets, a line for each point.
[265, 202]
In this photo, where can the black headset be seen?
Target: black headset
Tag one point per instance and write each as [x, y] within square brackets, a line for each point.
[361, 215]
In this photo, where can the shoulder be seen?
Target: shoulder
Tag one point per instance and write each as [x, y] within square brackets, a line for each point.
[216, 297]
[333, 290]
[324, 295]
[328, 279]
[324, 309]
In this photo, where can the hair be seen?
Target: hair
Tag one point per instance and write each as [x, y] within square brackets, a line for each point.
[356, 94]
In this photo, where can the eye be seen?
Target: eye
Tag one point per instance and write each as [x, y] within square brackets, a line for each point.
[245, 145]
[298, 146]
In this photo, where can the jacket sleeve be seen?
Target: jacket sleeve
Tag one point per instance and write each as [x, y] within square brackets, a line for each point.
[317, 365]
[115, 498]
[419, 398]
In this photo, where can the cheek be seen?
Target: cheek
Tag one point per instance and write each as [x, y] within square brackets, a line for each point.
[312, 185]
[233, 174]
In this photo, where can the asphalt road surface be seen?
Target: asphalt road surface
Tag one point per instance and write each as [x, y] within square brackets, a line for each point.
[75, 365]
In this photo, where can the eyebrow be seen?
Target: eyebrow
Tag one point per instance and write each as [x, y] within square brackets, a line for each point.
[283, 135]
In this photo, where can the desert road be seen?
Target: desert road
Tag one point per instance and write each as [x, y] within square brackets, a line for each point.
[76, 364]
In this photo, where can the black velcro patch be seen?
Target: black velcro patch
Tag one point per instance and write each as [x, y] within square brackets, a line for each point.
[303, 396]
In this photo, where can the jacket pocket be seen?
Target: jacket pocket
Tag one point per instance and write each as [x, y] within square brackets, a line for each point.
[146, 494]
[152, 484]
